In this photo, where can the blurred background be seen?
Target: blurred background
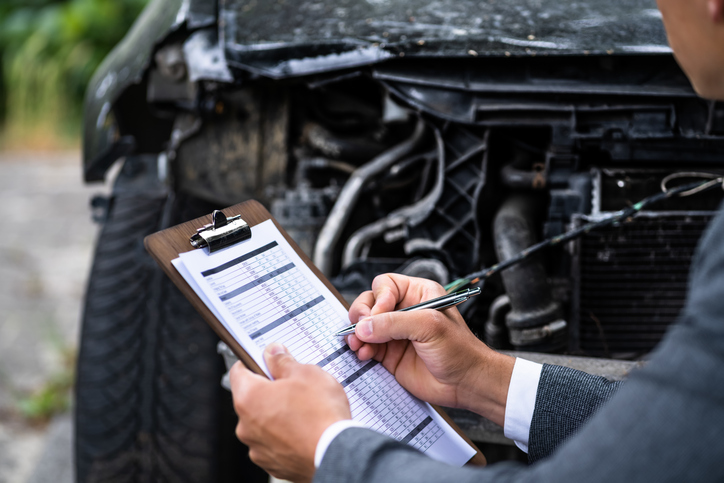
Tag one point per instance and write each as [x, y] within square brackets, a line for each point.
[48, 51]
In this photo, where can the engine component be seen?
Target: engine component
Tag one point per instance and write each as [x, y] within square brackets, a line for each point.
[630, 282]
[575, 198]
[496, 335]
[307, 164]
[428, 268]
[302, 213]
[532, 304]
[446, 221]
[337, 219]
[354, 148]
[518, 178]
[395, 225]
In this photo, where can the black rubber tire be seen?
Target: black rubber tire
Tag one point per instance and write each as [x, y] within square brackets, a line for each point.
[149, 406]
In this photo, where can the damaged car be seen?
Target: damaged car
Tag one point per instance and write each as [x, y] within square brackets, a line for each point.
[431, 138]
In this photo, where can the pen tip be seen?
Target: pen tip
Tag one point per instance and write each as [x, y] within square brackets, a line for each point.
[345, 331]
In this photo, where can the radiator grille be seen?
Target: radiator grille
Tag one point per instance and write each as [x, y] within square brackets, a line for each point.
[633, 281]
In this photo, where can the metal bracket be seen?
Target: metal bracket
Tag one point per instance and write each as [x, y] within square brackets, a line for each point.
[521, 337]
[222, 232]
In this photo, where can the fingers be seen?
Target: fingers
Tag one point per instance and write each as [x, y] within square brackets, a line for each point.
[388, 291]
[279, 361]
[353, 342]
[383, 298]
[417, 326]
[362, 306]
[368, 351]
[244, 384]
[364, 351]
[242, 380]
[394, 291]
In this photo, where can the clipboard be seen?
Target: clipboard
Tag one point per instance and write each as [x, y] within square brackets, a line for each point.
[166, 246]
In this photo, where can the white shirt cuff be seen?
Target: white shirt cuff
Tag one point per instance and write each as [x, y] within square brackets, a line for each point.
[520, 403]
[329, 434]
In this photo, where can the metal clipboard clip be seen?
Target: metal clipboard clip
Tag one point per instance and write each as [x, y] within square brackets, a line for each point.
[222, 232]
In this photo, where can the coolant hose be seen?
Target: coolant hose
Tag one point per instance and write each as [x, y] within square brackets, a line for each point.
[534, 316]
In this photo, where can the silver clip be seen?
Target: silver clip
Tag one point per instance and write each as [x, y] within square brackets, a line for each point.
[222, 232]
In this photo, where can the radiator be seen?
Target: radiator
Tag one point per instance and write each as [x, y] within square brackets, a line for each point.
[630, 282]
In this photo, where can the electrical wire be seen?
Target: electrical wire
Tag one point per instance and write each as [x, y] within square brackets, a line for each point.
[688, 189]
[715, 179]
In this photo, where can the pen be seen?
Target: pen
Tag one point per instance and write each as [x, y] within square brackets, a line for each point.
[449, 300]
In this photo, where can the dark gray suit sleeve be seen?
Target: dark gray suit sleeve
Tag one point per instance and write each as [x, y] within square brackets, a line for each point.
[665, 424]
[566, 398]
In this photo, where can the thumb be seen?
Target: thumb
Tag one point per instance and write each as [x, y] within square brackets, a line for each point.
[419, 326]
[279, 361]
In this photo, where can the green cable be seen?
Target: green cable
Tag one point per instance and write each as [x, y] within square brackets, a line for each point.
[627, 213]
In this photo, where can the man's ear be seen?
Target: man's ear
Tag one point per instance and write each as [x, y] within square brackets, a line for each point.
[716, 10]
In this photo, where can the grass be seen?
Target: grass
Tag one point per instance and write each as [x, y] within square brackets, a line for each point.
[51, 398]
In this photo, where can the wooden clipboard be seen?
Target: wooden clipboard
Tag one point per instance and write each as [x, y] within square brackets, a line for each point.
[166, 245]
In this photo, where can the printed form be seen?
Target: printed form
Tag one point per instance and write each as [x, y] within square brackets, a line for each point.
[263, 292]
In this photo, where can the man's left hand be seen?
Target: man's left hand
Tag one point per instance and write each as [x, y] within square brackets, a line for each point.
[282, 420]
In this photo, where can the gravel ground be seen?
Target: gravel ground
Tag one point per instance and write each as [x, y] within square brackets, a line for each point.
[45, 255]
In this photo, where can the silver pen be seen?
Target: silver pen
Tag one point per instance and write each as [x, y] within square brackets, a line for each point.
[440, 303]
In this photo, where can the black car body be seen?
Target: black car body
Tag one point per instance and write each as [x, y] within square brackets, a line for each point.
[426, 137]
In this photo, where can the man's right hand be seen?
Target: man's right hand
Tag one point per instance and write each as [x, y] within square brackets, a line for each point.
[433, 354]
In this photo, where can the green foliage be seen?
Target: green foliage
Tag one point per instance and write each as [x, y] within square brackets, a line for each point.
[53, 397]
[49, 50]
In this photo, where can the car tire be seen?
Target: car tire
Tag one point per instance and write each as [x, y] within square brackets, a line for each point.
[148, 400]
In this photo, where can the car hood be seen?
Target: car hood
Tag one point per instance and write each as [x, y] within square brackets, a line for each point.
[282, 38]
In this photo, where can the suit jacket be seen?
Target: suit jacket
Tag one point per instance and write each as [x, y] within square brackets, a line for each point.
[666, 423]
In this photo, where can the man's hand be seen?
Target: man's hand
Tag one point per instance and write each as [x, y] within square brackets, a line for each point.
[432, 353]
[282, 420]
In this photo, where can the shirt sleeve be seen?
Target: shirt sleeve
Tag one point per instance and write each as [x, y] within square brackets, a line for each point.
[328, 436]
[520, 403]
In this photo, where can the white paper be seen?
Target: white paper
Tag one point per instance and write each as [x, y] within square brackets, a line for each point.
[262, 292]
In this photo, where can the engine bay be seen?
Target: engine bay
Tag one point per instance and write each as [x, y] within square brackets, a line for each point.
[438, 169]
